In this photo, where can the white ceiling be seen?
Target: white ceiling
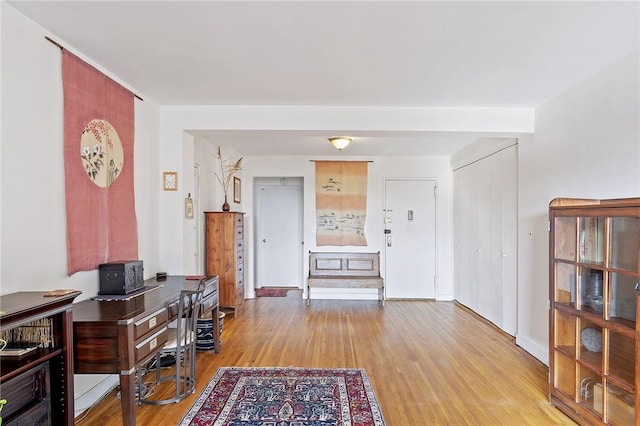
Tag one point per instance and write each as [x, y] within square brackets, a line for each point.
[338, 53]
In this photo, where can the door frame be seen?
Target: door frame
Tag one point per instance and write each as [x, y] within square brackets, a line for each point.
[199, 255]
[435, 219]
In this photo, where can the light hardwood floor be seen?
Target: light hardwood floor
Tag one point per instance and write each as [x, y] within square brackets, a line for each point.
[430, 363]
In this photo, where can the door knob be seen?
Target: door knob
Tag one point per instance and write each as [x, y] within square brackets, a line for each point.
[264, 240]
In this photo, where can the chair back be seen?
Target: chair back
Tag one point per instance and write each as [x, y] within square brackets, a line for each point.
[189, 307]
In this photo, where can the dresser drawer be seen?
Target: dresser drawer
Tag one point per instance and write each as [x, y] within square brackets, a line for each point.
[150, 345]
[150, 323]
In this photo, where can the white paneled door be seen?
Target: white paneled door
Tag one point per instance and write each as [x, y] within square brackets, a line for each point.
[410, 238]
[485, 236]
[279, 217]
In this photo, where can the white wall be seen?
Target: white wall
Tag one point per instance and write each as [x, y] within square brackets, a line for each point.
[176, 120]
[586, 145]
[379, 169]
[33, 227]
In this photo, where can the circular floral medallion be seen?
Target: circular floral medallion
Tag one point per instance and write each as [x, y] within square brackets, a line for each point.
[101, 152]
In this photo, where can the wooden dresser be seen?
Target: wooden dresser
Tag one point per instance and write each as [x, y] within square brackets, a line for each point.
[224, 248]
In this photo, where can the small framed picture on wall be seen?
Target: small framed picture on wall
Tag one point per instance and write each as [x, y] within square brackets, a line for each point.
[237, 190]
[170, 181]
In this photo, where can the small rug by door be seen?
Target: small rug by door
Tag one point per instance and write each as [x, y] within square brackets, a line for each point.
[271, 292]
[286, 397]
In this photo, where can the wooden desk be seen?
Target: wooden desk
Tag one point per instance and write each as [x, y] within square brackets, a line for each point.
[115, 337]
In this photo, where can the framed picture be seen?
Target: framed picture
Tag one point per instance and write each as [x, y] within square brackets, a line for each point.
[170, 181]
[237, 189]
[188, 207]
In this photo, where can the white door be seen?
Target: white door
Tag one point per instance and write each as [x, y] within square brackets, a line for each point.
[485, 225]
[509, 252]
[279, 217]
[410, 239]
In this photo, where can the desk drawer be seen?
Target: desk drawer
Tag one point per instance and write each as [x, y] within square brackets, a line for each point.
[151, 344]
[210, 301]
[150, 323]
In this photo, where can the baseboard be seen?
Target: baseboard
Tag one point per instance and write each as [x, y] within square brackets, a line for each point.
[539, 352]
[445, 298]
[95, 394]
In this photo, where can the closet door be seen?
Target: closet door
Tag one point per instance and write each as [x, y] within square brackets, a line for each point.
[485, 223]
[486, 291]
[459, 292]
[509, 252]
[466, 262]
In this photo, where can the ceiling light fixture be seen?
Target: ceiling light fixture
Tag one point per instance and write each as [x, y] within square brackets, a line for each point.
[340, 142]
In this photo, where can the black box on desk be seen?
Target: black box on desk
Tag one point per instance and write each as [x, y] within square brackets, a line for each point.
[121, 277]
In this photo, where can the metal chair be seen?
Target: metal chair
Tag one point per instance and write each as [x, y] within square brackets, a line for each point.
[181, 342]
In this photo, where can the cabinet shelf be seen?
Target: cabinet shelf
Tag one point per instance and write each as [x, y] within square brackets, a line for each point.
[591, 360]
[567, 350]
[593, 273]
[14, 366]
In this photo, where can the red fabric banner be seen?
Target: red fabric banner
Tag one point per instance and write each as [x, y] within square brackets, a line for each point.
[98, 159]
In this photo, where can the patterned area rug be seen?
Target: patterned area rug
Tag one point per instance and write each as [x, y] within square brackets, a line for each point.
[271, 292]
[286, 397]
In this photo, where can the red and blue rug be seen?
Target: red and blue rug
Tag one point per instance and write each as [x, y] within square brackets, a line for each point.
[286, 397]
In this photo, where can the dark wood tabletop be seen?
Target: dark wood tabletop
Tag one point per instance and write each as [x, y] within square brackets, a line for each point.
[117, 310]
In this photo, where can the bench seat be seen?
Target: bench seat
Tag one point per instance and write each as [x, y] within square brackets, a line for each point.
[345, 270]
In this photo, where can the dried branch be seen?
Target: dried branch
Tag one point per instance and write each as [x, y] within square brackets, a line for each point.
[227, 169]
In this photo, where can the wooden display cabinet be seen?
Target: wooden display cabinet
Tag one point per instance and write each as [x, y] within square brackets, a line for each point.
[38, 386]
[594, 273]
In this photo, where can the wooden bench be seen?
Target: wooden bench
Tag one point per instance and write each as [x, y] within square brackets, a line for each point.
[345, 270]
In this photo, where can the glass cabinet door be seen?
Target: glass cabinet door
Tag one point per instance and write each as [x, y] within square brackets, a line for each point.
[565, 353]
[565, 284]
[619, 403]
[624, 243]
[591, 240]
[622, 298]
[565, 238]
[591, 290]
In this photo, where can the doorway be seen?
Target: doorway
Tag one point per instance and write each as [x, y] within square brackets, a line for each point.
[279, 232]
[410, 238]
